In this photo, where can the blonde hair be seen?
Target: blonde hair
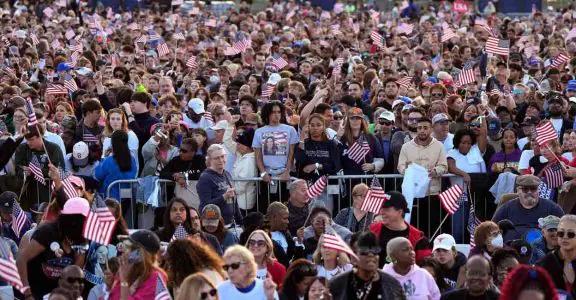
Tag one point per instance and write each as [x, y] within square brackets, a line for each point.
[360, 189]
[108, 130]
[270, 253]
[244, 254]
[191, 287]
[342, 258]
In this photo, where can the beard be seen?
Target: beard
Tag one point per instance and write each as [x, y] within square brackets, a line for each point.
[412, 129]
[555, 113]
[529, 200]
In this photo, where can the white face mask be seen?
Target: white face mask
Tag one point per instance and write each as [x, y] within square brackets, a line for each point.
[497, 242]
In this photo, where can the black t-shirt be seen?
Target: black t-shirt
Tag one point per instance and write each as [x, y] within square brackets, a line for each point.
[45, 269]
[461, 294]
[354, 282]
[385, 236]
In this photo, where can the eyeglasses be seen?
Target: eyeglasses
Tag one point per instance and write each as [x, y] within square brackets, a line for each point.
[118, 75]
[387, 123]
[233, 266]
[335, 118]
[72, 280]
[568, 235]
[529, 189]
[437, 95]
[551, 230]
[256, 243]
[368, 251]
[413, 120]
[212, 293]
[474, 125]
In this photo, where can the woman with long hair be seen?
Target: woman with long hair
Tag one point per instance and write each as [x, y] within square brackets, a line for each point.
[255, 82]
[177, 213]
[62, 110]
[378, 98]
[186, 257]
[158, 151]
[487, 238]
[119, 165]
[20, 120]
[139, 276]
[201, 138]
[260, 244]
[203, 94]
[318, 290]
[197, 287]
[116, 120]
[507, 159]
[299, 277]
[529, 283]
[121, 226]
[329, 262]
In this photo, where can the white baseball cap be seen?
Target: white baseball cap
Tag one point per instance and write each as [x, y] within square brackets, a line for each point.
[197, 105]
[444, 241]
[80, 154]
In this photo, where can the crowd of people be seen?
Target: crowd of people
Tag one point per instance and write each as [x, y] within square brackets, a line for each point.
[291, 153]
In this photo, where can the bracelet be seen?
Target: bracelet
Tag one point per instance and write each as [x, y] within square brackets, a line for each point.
[130, 116]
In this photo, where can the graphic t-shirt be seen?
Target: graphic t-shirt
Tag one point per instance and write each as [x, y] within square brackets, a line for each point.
[275, 143]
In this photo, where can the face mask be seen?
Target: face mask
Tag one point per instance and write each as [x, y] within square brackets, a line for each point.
[134, 257]
[497, 242]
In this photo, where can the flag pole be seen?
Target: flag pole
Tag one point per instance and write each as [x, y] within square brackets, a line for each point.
[24, 184]
[439, 226]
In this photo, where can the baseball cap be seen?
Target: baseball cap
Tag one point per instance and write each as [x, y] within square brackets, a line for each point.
[549, 222]
[221, 125]
[396, 200]
[211, 215]
[63, 67]
[397, 102]
[197, 105]
[387, 115]
[146, 239]
[355, 112]
[21, 34]
[444, 241]
[441, 117]
[76, 206]
[245, 137]
[7, 201]
[531, 120]
[571, 85]
[80, 154]
[528, 180]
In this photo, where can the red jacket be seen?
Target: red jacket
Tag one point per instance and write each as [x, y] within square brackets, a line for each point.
[422, 249]
[277, 271]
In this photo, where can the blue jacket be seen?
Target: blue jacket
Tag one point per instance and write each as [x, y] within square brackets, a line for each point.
[108, 171]
[539, 250]
[211, 188]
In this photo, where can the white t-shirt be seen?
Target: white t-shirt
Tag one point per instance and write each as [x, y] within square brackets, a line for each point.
[448, 142]
[522, 142]
[227, 291]
[557, 123]
[262, 273]
[203, 123]
[472, 162]
[329, 274]
[525, 158]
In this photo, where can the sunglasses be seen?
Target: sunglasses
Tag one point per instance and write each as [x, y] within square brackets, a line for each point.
[368, 251]
[118, 75]
[387, 123]
[212, 293]
[256, 243]
[233, 266]
[474, 125]
[337, 118]
[437, 95]
[72, 280]
[569, 234]
[529, 188]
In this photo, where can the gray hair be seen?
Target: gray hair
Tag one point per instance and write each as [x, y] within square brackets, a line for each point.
[212, 148]
[295, 184]
[568, 219]
[394, 244]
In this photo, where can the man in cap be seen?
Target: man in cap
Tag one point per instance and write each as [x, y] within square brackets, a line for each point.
[440, 124]
[211, 219]
[393, 225]
[7, 200]
[450, 260]
[410, 115]
[525, 210]
[245, 167]
[548, 242]
[571, 89]
[195, 115]
[556, 114]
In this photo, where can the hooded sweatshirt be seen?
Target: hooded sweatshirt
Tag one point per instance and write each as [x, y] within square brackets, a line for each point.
[418, 284]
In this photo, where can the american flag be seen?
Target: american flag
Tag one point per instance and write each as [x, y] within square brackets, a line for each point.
[74, 59]
[76, 46]
[497, 46]
[467, 75]
[34, 39]
[56, 44]
[317, 187]
[178, 36]
[554, 175]
[449, 198]
[208, 116]
[32, 121]
[55, 89]
[153, 35]
[337, 66]
[268, 90]
[161, 292]
[559, 60]
[545, 133]
[142, 39]
[69, 34]
[9, 273]
[405, 28]
[335, 29]
[19, 218]
[70, 83]
[242, 45]
[180, 233]
[100, 223]
[405, 81]
[229, 51]
[69, 189]
[133, 26]
[484, 25]
[48, 12]
[375, 197]
[447, 34]
[334, 242]
[163, 49]
[279, 63]
[359, 150]
[36, 170]
[473, 221]
[378, 39]
[89, 138]
[191, 62]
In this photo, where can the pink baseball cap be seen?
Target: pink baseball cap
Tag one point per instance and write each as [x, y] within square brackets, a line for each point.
[76, 206]
[77, 181]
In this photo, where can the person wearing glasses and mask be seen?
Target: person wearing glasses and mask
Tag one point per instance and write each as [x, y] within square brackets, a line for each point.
[365, 281]
[525, 210]
[242, 283]
[561, 263]
[549, 240]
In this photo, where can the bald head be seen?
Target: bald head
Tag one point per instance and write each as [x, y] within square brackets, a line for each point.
[72, 279]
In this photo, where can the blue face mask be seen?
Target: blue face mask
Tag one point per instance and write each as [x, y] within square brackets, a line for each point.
[134, 257]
